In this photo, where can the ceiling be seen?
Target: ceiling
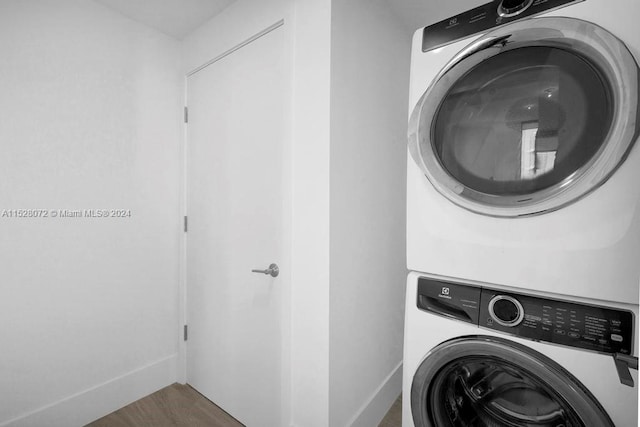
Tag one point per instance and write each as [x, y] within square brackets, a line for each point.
[176, 18]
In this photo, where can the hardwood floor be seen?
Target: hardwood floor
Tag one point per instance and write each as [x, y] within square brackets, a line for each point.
[174, 406]
[394, 416]
[181, 406]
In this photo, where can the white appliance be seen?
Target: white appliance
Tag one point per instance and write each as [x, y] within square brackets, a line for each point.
[524, 169]
[480, 355]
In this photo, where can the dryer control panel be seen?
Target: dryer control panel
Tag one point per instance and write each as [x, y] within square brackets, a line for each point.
[590, 327]
[483, 18]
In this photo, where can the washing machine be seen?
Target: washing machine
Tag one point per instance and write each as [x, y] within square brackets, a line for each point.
[486, 356]
[524, 167]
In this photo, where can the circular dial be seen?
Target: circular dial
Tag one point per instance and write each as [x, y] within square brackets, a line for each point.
[509, 8]
[506, 310]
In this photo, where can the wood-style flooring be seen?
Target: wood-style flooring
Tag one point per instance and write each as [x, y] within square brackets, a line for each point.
[174, 406]
[394, 416]
[181, 406]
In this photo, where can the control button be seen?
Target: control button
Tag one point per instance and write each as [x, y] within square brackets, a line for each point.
[616, 337]
[510, 8]
[589, 338]
[490, 322]
[574, 335]
[506, 310]
[560, 331]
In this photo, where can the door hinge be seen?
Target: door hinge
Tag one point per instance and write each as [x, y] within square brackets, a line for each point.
[186, 224]
[186, 114]
[185, 332]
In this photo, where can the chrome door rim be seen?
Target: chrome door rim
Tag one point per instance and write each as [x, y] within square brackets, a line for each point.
[584, 38]
[579, 398]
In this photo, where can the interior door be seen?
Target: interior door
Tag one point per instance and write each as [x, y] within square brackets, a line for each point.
[235, 198]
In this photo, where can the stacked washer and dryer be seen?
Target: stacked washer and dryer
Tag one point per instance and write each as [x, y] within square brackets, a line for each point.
[523, 227]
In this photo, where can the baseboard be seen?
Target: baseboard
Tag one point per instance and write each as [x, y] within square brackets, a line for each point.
[96, 402]
[374, 410]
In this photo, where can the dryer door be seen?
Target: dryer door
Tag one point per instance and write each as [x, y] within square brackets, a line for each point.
[529, 118]
[485, 381]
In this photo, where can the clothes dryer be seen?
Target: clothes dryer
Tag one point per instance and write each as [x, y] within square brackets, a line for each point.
[524, 169]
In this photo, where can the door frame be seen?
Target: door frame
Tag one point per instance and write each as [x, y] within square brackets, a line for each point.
[284, 279]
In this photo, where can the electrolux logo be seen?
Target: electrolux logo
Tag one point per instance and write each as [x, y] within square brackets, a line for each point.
[444, 293]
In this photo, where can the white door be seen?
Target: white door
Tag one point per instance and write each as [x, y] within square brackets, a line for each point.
[235, 204]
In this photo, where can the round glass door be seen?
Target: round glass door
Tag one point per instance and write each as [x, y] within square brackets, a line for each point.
[491, 382]
[523, 121]
[527, 119]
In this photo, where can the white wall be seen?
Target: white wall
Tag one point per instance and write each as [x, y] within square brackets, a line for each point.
[235, 24]
[370, 55]
[90, 118]
[311, 215]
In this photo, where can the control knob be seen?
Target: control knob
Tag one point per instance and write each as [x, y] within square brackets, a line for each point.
[506, 310]
[509, 8]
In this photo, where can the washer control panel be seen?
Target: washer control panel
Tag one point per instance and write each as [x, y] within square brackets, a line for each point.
[590, 327]
[484, 18]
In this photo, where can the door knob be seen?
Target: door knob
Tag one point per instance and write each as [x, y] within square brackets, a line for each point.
[273, 270]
